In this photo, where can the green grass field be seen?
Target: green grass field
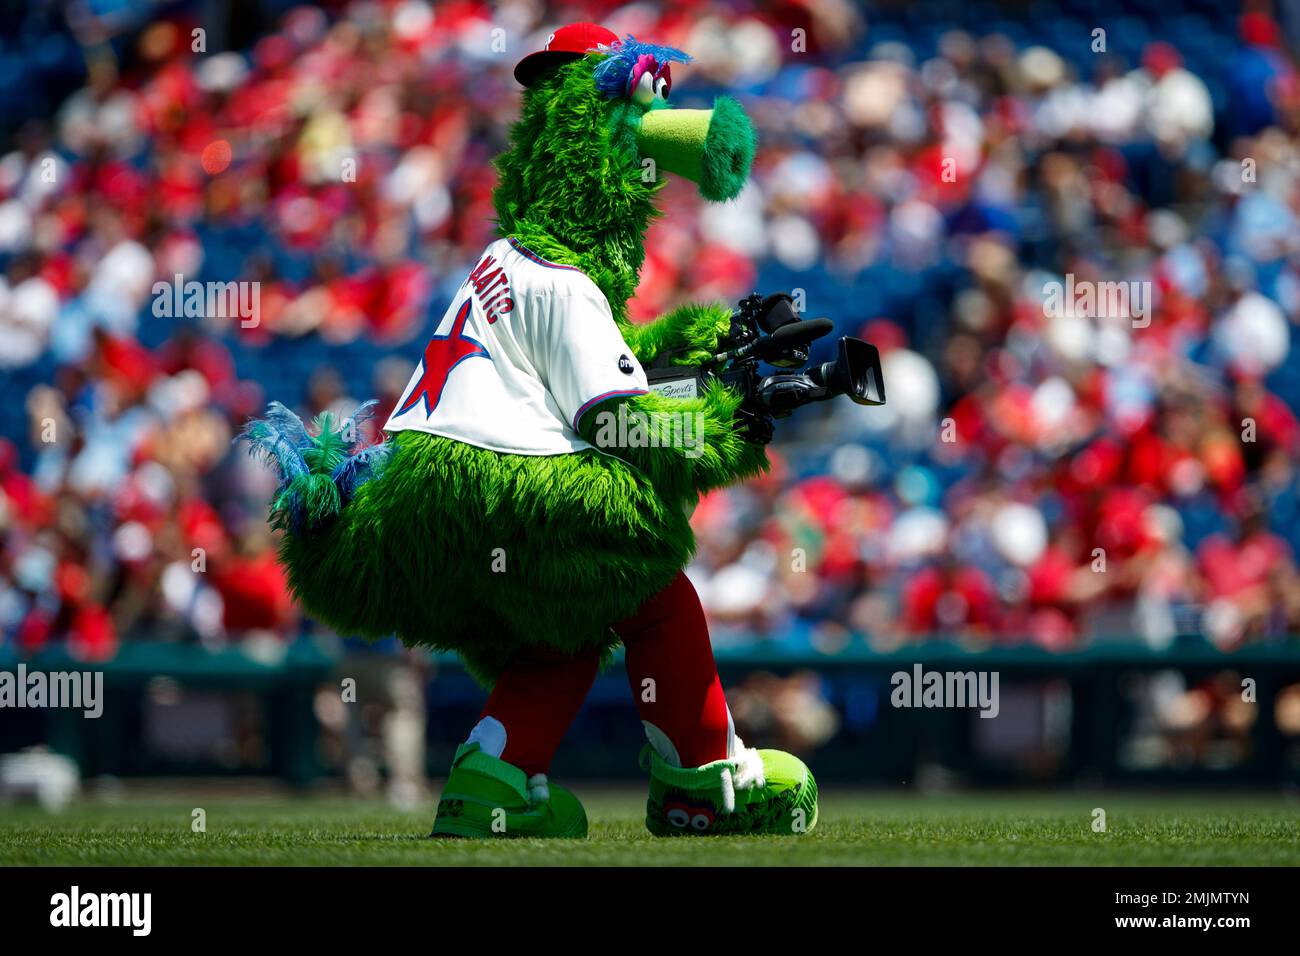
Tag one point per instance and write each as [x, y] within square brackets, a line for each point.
[856, 828]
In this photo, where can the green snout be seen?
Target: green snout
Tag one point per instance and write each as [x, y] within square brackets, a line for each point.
[712, 148]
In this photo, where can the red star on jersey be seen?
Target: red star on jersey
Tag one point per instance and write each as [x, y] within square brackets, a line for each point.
[441, 355]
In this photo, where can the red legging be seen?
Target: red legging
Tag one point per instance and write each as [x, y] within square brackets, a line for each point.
[669, 667]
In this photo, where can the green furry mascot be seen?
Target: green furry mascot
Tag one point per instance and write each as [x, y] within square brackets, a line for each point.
[508, 517]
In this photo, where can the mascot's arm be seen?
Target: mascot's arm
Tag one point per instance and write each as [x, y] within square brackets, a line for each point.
[712, 454]
[701, 442]
[696, 326]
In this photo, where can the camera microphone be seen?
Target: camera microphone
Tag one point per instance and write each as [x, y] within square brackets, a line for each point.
[791, 336]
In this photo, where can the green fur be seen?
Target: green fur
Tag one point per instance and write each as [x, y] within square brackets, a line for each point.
[728, 151]
[690, 330]
[460, 548]
[677, 471]
[583, 539]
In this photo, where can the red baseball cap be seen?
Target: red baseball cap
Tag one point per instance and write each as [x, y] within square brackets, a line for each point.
[565, 44]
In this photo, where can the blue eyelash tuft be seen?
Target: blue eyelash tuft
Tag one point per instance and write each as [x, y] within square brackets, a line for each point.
[613, 72]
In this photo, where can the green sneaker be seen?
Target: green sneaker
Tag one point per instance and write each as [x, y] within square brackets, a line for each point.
[759, 791]
[488, 798]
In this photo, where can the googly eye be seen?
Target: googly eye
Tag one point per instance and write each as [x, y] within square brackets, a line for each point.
[679, 818]
[700, 821]
[644, 89]
[663, 82]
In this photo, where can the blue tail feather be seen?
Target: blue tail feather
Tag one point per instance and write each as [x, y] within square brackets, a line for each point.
[300, 460]
[359, 468]
[271, 443]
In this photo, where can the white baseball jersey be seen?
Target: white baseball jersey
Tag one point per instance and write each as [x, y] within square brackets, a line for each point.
[525, 349]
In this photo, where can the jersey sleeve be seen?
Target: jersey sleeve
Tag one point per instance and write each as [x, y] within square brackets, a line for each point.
[585, 360]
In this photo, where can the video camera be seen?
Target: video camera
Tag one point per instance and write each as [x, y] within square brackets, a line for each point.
[770, 330]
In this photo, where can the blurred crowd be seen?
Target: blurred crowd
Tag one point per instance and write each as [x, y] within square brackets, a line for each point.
[926, 172]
